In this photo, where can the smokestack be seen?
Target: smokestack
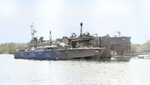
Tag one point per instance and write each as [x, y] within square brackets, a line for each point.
[81, 29]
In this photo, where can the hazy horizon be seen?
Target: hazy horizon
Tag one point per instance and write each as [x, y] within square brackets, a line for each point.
[63, 17]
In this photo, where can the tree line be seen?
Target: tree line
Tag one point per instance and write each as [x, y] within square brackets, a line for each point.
[10, 48]
[139, 48]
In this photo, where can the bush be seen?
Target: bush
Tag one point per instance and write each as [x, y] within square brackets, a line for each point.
[138, 48]
[10, 48]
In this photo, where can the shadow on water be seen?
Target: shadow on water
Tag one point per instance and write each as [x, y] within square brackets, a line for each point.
[117, 59]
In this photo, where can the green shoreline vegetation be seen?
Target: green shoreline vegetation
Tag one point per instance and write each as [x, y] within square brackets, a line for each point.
[140, 48]
[10, 48]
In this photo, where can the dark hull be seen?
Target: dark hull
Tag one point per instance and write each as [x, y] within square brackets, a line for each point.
[60, 54]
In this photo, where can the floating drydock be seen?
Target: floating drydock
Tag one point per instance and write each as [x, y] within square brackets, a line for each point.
[116, 46]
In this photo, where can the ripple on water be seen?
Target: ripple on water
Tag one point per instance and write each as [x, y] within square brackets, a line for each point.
[68, 72]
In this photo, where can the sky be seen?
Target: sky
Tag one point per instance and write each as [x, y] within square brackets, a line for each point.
[63, 17]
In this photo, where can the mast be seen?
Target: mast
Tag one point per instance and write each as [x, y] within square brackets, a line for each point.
[81, 29]
[32, 32]
[32, 35]
[50, 36]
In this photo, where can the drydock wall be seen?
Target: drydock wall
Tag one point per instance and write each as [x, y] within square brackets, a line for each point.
[115, 45]
[121, 45]
[106, 42]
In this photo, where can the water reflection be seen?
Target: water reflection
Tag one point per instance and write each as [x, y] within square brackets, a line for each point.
[140, 71]
[89, 72]
[73, 72]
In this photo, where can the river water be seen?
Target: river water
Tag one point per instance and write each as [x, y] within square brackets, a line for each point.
[73, 72]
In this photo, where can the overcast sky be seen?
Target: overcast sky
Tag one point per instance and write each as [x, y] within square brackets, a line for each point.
[63, 17]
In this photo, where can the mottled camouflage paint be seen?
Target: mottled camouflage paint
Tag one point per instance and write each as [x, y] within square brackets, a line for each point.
[60, 54]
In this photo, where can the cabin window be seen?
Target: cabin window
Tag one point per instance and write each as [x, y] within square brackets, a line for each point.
[123, 39]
